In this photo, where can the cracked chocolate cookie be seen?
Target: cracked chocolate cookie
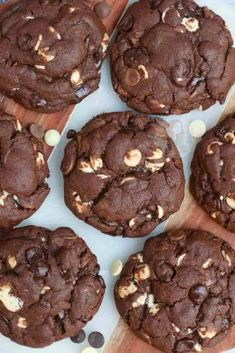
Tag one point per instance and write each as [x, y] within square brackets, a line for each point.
[123, 174]
[178, 294]
[213, 173]
[50, 53]
[49, 285]
[172, 56]
[23, 170]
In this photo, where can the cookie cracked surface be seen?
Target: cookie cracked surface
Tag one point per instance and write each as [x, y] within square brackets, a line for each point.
[49, 285]
[172, 56]
[178, 294]
[123, 174]
[213, 173]
[50, 53]
[23, 170]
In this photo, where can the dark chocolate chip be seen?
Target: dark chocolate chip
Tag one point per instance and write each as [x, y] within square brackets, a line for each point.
[198, 293]
[37, 131]
[79, 338]
[71, 134]
[39, 269]
[38, 102]
[164, 272]
[127, 24]
[82, 92]
[33, 253]
[96, 339]
[184, 345]
[102, 9]
[132, 77]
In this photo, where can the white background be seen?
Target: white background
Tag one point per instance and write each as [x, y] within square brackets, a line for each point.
[53, 212]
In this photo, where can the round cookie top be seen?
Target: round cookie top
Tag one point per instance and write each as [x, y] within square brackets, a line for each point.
[172, 56]
[213, 173]
[50, 53]
[49, 285]
[123, 174]
[178, 294]
[23, 170]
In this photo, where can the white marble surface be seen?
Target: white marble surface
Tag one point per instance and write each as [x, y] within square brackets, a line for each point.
[53, 213]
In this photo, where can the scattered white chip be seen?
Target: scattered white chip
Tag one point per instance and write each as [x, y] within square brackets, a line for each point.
[89, 350]
[116, 267]
[197, 128]
[52, 137]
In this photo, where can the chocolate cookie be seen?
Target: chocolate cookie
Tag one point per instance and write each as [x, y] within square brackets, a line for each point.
[172, 56]
[123, 174]
[49, 285]
[50, 53]
[23, 170]
[213, 173]
[178, 294]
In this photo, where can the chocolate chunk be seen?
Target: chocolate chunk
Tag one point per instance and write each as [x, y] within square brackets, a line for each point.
[43, 43]
[23, 172]
[37, 131]
[198, 293]
[55, 288]
[212, 181]
[96, 339]
[168, 293]
[123, 174]
[185, 52]
[102, 9]
[71, 134]
[79, 338]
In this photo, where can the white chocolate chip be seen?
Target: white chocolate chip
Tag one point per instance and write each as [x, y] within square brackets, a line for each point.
[231, 202]
[85, 167]
[89, 350]
[71, 9]
[197, 347]
[221, 197]
[230, 137]
[153, 307]
[10, 302]
[82, 206]
[3, 197]
[132, 158]
[18, 125]
[52, 137]
[29, 17]
[105, 42]
[180, 259]
[125, 291]
[227, 258]
[209, 149]
[191, 24]
[160, 212]
[40, 67]
[138, 257]
[76, 78]
[203, 333]
[143, 69]
[207, 264]
[197, 128]
[175, 328]
[45, 289]
[157, 154]
[140, 301]
[11, 262]
[44, 52]
[40, 159]
[96, 162]
[142, 272]
[38, 42]
[124, 180]
[22, 323]
[132, 222]
[116, 268]
[154, 166]
[214, 215]
[103, 176]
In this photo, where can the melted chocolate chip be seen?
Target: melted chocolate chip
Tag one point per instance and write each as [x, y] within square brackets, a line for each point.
[79, 338]
[184, 345]
[198, 293]
[96, 339]
[164, 272]
[71, 133]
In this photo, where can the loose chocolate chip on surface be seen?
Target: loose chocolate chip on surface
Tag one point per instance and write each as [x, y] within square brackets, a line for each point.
[37, 130]
[102, 9]
[71, 133]
[96, 339]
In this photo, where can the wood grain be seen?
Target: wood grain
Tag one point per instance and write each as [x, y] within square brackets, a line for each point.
[191, 216]
[57, 120]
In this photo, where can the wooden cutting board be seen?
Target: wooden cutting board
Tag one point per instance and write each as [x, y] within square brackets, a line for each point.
[191, 216]
[58, 120]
